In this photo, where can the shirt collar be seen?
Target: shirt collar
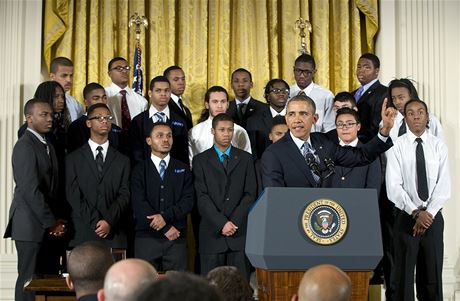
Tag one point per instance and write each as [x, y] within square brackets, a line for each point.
[299, 142]
[156, 160]
[307, 89]
[368, 85]
[220, 153]
[39, 137]
[246, 101]
[153, 110]
[275, 113]
[93, 145]
[411, 136]
[117, 89]
[175, 98]
[353, 143]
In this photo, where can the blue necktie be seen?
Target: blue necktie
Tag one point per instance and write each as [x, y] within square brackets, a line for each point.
[162, 169]
[359, 93]
[161, 117]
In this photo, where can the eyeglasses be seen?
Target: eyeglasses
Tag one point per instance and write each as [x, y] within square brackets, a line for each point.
[305, 72]
[108, 118]
[346, 125]
[279, 91]
[121, 68]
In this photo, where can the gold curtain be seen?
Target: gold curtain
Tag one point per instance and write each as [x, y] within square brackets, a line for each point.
[210, 38]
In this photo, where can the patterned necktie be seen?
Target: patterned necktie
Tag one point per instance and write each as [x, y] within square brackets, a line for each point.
[308, 154]
[359, 93]
[422, 185]
[161, 117]
[99, 159]
[402, 128]
[125, 115]
[162, 169]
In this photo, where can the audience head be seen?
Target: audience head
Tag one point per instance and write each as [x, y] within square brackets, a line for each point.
[159, 92]
[160, 139]
[241, 83]
[347, 124]
[230, 283]
[94, 93]
[176, 77]
[222, 129]
[99, 121]
[61, 70]
[180, 286]
[39, 115]
[87, 265]
[344, 100]
[324, 283]
[304, 70]
[279, 128]
[215, 102]
[53, 93]
[368, 68]
[300, 116]
[277, 94]
[400, 92]
[126, 278]
[416, 116]
[118, 70]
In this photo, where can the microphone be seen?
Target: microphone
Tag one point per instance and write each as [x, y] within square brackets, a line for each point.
[330, 165]
[311, 162]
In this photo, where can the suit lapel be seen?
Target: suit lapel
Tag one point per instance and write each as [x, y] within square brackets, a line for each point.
[267, 120]
[369, 91]
[296, 156]
[233, 161]
[88, 155]
[108, 160]
[213, 159]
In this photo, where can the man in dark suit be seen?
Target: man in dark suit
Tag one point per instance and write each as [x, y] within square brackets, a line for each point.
[33, 222]
[369, 96]
[97, 185]
[301, 159]
[225, 186]
[259, 125]
[176, 78]
[244, 105]
[162, 196]
[78, 133]
[159, 93]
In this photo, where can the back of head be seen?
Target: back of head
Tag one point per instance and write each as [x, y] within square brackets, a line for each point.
[87, 266]
[126, 278]
[231, 283]
[180, 286]
[325, 283]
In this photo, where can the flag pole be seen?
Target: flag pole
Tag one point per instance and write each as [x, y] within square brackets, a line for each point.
[302, 24]
[137, 21]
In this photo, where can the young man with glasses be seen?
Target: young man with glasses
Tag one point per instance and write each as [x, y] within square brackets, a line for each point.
[124, 103]
[97, 185]
[304, 70]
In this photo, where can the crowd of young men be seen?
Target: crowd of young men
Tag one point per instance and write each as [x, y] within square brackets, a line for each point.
[133, 172]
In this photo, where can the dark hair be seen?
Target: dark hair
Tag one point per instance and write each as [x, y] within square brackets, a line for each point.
[28, 107]
[158, 79]
[304, 98]
[349, 111]
[277, 120]
[155, 124]
[345, 97]
[231, 283]
[180, 286]
[220, 117]
[60, 61]
[205, 113]
[47, 90]
[305, 58]
[242, 70]
[271, 82]
[403, 83]
[90, 88]
[416, 101]
[115, 59]
[373, 58]
[87, 265]
[169, 69]
[96, 106]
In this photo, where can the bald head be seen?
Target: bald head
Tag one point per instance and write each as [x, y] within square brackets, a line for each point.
[325, 283]
[126, 278]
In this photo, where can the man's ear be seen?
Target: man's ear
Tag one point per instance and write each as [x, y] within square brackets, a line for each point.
[100, 295]
[315, 118]
[69, 282]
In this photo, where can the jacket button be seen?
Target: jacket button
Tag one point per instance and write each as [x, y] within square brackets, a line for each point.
[162, 187]
[162, 199]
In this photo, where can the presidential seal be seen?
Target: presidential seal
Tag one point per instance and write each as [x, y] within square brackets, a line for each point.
[324, 221]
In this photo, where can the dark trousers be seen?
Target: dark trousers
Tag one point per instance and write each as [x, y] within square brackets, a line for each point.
[27, 265]
[424, 252]
[163, 254]
[237, 259]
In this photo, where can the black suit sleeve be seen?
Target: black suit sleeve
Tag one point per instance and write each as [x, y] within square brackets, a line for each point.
[359, 156]
[272, 175]
[185, 204]
[121, 204]
[240, 212]
[140, 205]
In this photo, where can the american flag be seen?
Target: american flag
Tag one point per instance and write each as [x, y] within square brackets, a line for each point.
[138, 82]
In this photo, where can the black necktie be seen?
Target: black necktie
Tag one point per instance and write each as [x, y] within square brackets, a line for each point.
[422, 185]
[402, 129]
[99, 159]
[225, 161]
[181, 105]
[241, 109]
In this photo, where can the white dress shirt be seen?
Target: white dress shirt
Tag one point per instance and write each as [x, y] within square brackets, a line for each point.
[401, 173]
[156, 161]
[200, 138]
[136, 103]
[434, 126]
[323, 99]
[153, 111]
[275, 113]
[93, 145]
[75, 108]
[353, 143]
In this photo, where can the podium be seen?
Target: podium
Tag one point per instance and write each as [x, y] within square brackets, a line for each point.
[293, 229]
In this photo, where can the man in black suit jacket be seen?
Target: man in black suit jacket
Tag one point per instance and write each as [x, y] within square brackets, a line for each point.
[369, 96]
[301, 159]
[97, 185]
[260, 124]
[176, 78]
[162, 196]
[244, 106]
[32, 219]
[78, 133]
[159, 110]
[225, 186]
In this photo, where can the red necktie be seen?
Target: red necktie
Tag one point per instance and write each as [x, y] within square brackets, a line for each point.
[125, 116]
